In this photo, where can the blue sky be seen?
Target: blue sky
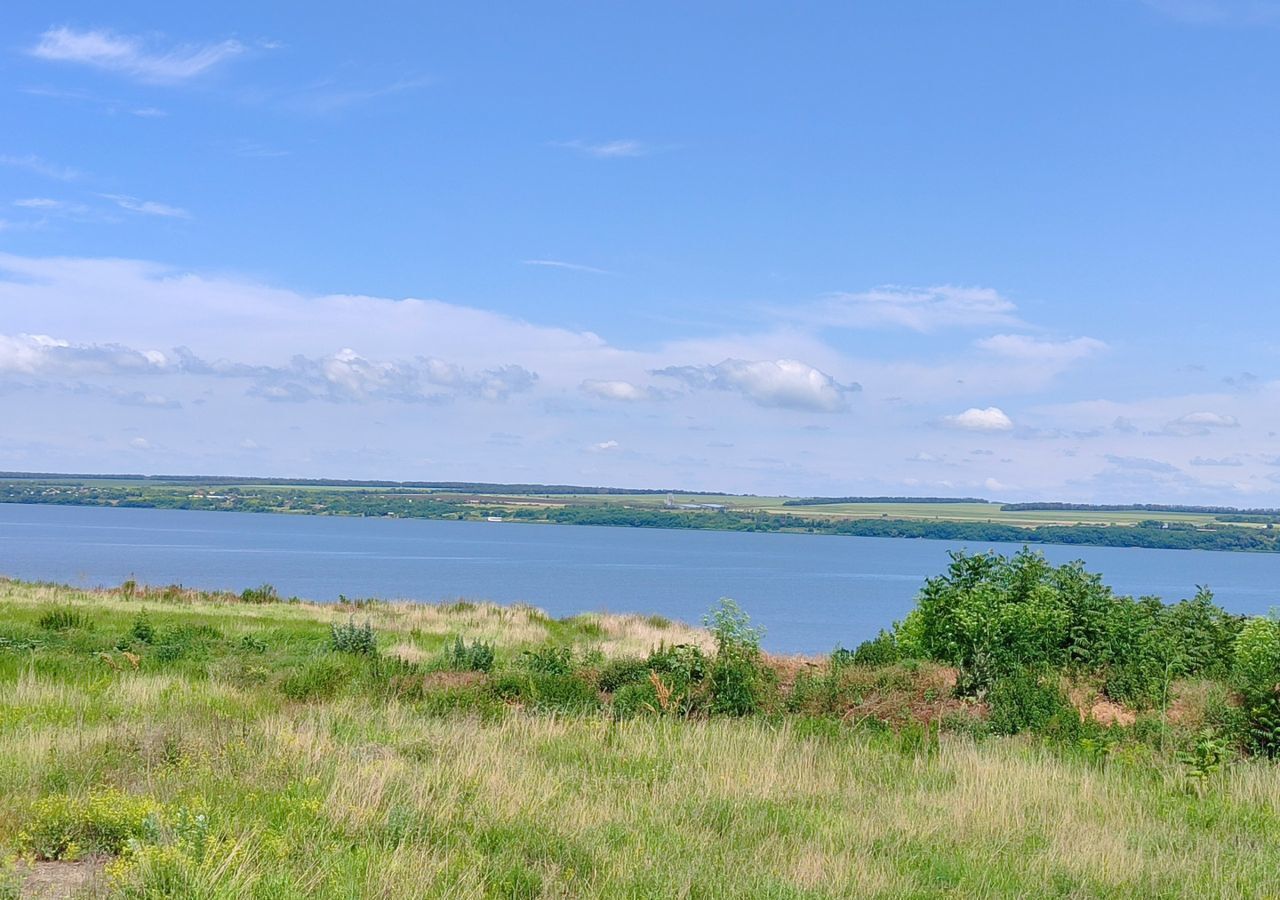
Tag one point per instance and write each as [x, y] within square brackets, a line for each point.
[1014, 250]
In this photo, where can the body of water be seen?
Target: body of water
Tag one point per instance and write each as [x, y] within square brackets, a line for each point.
[810, 592]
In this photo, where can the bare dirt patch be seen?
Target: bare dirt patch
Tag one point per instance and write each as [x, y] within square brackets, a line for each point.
[57, 880]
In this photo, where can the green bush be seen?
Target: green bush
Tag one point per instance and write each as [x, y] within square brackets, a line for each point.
[618, 673]
[183, 642]
[882, 650]
[142, 629]
[1028, 700]
[737, 677]
[556, 660]
[547, 691]
[635, 698]
[264, 593]
[352, 638]
[477, 656]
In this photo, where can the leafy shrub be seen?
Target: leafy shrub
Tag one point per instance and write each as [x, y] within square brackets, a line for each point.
[1026, 701]
[738, 679]
[142, 629]
[686, 664]
[66, 827]
[477, 656]
[619, 673]
[264, 593]
[352, 638]
[635, 698]
[64, 619]
[881, 650]
[549, 660]
[841, 658]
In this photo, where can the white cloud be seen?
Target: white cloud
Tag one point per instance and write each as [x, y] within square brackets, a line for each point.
[147, 207]
[783, 383]
[129, 55]
[919, 309]
[42, 355]
[605, 447]
[560, 264]
[615, 390]
[1031, 349]
[140, 443]
[33, 163]
[607, 149]
[974, 419]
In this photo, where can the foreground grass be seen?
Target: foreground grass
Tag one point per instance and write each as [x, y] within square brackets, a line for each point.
[253, 775]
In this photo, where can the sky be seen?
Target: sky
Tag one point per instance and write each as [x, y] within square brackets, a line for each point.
[1010, 250]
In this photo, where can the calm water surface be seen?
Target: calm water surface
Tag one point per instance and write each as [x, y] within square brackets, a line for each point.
[811, 592]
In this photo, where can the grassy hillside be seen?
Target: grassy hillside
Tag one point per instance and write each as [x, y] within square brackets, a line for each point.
[193, 745]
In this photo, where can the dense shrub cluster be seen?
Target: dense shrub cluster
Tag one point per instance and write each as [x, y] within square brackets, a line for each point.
[1013, 625]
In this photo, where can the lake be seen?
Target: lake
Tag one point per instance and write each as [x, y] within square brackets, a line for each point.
[810, 592]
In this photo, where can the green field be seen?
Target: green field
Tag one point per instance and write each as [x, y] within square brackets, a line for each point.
[166, 743]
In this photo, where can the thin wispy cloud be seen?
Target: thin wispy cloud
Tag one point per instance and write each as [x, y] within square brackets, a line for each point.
[329, 96]
[33, 163]
[918, 309]
[129, 55]
[561, 264]
[147, 207]
[619, 149]
[107, 105]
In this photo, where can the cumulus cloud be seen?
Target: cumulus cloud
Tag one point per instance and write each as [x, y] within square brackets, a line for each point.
[42, 355]
[623, 391]
[782, 383]
[1031, 349]
[919, 309]
[992, 418]
[130, 55]
[348, 376]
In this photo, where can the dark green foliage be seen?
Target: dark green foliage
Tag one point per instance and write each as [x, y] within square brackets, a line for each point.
[476, 656]
[546, 690]
[738, 679]
[619, 673]
[635, 698]
[264, 593]
[353, 638]
[142, 629]
[992, 616]
[1028, 701]
[882, 650]
[64, 619]
[549, 660]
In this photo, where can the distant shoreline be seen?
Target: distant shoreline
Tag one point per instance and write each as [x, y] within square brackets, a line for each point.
[951, 519]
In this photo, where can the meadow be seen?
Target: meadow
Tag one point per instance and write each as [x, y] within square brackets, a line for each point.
[162, 742]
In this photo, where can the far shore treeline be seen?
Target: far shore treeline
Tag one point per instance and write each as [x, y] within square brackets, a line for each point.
[1161, 526]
